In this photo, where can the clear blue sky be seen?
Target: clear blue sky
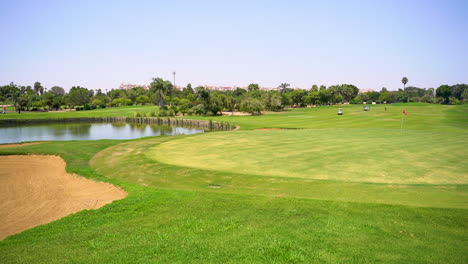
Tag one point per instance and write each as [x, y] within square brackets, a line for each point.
[100, 44]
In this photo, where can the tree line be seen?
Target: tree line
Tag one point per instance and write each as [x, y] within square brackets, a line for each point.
[202, 101]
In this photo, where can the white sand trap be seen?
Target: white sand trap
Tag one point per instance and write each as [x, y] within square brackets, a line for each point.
[36, 190]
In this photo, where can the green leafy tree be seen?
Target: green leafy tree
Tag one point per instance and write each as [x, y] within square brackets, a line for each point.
[313, 98]
[188, 90]
[272, 101]
[204, 95]
[57, 102]
[216, 103]
[185, 105]
[253, 87]
[78, 96]
[161, 88]
[142, 99]
[298, 97]
[238, 92]
[229, 103]
[465, 95]
[458, 90]
[48, 99]
[251, 105]
[324, 96]
[57, 90]
[444, 92]
[38, 88]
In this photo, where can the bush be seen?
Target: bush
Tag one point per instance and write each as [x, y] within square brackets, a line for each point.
[152, 114]
[454, 101]
[121, 102]
[87, 107]
[175, 109]
[251, 105]
[356, 100]
[139, 114]
[162, 113]
[198, 109]
[427, 99]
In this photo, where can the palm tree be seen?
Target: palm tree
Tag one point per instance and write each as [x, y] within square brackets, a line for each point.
[204, 95]
[405, 81]
[161, 88]
[283, 87]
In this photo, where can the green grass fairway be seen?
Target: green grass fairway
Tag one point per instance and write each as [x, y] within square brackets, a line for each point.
[355, 155]
[428, 117]
[154, 225]
[335, 189]
[126, 111]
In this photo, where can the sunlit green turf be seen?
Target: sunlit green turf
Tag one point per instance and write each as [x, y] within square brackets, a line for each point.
[155, 225]
[356, 155]
[421, 116]
[180, 212]
[127, 111]
[134, 162]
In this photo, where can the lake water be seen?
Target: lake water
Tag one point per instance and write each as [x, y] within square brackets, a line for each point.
[87, 131]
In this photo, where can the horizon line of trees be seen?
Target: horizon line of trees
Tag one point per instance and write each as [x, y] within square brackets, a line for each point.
[202, 101]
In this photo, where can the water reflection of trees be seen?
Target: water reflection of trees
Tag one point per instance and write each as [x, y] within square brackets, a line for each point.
[163, 130]
[137, 127]
[119, 125]
[79, 131]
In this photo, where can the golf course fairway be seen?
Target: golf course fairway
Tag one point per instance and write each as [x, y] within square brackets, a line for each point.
[359, 188]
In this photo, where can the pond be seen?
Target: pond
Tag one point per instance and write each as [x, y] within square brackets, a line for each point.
[88, 131]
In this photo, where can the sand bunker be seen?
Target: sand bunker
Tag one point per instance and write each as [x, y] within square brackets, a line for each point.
[20, 144]
[36, 190]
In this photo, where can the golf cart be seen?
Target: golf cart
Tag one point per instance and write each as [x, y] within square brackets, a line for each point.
[340, 111]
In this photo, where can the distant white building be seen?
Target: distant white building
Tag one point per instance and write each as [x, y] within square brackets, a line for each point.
[128, 86]
[366, 90]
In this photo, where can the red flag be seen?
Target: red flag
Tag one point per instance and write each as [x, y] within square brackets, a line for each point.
[404, 112]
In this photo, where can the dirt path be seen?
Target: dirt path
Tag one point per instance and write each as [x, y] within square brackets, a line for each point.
[36, 190]
[20, 144]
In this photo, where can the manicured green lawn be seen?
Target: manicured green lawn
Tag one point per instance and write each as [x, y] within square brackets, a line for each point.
[127, 111]
[354, 155]
[188, 203]
[421, 117]
[156, 225]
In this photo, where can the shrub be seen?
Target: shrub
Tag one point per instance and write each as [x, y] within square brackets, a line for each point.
[251, 105]
[139, 114]
[198, 109]
[162, 112]
[356, 100]
[175, 109]
[454, 101]
[427, 99]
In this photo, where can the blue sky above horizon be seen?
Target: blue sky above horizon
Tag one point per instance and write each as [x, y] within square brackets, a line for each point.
[101, 44]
